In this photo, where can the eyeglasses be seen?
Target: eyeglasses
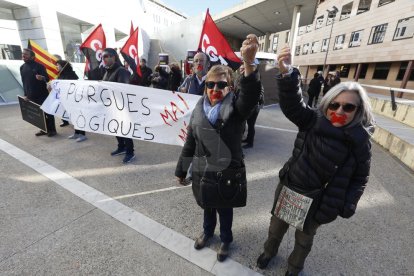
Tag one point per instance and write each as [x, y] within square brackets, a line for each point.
[106, 56]
[348, 107]
[212, 84]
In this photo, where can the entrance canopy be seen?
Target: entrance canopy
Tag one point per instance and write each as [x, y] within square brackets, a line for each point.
[263, 16]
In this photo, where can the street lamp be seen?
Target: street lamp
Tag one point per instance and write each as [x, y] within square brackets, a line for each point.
[331, 14]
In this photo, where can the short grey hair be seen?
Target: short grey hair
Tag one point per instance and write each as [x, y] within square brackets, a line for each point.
[363, 115]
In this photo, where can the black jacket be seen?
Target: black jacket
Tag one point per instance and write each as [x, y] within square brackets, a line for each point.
[335, 160]
[218, 145]
[116, 73]
[68, 74]
[34, 89]
[146, 76]
[314, 87]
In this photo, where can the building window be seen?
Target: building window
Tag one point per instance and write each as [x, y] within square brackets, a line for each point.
[355, 40]
[305, 49]
[346, 11]
[275, 42]
[339, 42]
[287, 39]
[309, 28]
[315, 46]
[319, 68]
[297, 51]
[381, 70]
[329, 21]
[402, 70]
[319, 22]
[8, 51]
[364, 6]
[404, 29]
[301, 30]
[384, 2]
[377, 34]
[325, 43]
[344, 70]
[363, 72]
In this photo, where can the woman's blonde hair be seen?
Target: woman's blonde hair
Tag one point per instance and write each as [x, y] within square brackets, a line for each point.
[218, 70]
[363, 114]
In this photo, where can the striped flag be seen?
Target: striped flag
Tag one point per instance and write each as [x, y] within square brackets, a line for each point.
[44, 58]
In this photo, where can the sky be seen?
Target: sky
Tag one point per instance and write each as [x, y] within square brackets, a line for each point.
[192, 8]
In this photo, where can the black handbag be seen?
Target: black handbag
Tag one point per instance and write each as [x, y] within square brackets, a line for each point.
[224, 189]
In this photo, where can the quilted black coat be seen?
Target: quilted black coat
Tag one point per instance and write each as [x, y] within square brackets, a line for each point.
[334, 160]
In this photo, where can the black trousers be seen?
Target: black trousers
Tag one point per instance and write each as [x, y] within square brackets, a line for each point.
[50, 122]
[251, 121]
[125, 143]
[226, 222]
[311, 97]
[80, 132]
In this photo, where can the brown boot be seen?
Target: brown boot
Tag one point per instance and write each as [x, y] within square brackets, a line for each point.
[201, 241]
[223, 251]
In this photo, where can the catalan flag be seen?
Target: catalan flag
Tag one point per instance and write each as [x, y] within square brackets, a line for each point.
[44, 58]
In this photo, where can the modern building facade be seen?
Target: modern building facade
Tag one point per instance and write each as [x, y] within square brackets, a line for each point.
[367, 40]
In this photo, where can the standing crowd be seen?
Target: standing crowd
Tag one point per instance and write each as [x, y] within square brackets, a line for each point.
[330, 162]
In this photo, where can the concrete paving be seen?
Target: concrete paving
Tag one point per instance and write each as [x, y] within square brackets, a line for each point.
[47, 230]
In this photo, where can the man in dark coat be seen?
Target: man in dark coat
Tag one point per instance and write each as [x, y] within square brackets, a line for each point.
[195, 83]
[34, 79]
[146, 73]
[314, 89]
[115, 72]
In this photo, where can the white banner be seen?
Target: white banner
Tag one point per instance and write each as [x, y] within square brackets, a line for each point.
[119, 109]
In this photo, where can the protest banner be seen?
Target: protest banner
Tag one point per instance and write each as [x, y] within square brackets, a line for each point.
[32, 113]
[119, 109]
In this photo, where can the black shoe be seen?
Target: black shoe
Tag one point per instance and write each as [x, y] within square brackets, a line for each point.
[247, 146]
[201, 241]
[263, 261]
[40, 133]
[118, 152]
[290, 274]
[51, 133]
[64, 124]
[128, 158]
[223, 251]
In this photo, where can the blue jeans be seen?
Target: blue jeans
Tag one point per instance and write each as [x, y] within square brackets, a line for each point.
[226, 221]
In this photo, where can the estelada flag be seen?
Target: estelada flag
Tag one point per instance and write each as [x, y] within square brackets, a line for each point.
[130, 52]
[45, 58]
[92, 48]
[215, 46]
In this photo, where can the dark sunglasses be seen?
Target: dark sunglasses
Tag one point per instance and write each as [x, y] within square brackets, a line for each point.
[212, 84]
[348, 107]
[106, 56]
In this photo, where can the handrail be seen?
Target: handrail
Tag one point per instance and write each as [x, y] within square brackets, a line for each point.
[389, 88]
[392, 90]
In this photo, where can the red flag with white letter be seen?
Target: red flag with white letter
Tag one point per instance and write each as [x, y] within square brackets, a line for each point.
[215, 46]
[130, 52]
[92, 48]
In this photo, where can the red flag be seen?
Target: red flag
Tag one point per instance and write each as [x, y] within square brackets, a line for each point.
[215, 46]
[131, 31]
[130, 52]
[92, 48]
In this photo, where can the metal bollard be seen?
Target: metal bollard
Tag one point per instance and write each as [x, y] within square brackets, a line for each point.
[393, 103]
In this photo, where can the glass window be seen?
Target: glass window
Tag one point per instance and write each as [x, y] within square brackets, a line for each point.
[332, 68]
[325, 44]
[344, 70]
[364, 6]
[309, 28]
[315, 46]
[275, 42]
[339, 42]
[381, 70]
[402, 70]
[305, 49]
[319, 68]
[319, 22]
[384, 2]
[363, 72]
[346, 11]
[404, 29]
[377, 34]
[355, 40]
[329, 21]
[297, 51]
[287, 38]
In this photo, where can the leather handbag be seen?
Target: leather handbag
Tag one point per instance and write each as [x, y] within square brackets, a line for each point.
[224, 189]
